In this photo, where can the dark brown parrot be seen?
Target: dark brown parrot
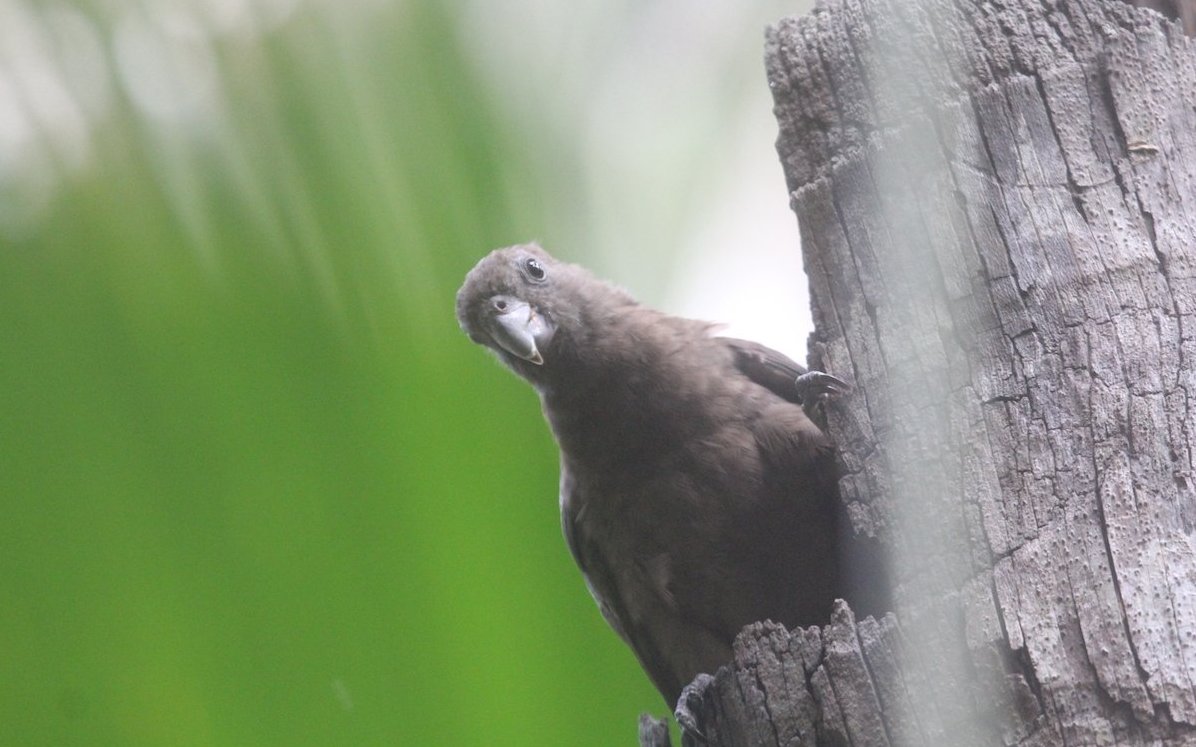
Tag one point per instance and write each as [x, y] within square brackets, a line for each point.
[696, 494]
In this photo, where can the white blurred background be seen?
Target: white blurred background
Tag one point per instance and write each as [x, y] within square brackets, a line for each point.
[668, 106]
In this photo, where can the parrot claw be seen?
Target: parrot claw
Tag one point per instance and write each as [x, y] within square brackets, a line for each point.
[815, 386]
[691, 697]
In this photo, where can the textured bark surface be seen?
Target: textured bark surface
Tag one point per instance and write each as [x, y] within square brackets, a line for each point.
[997, 203]
[828, 686]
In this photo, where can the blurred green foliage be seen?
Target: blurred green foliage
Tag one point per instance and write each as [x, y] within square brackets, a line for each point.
[258, 489]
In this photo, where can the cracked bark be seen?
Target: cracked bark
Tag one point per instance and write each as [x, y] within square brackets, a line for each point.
[997, 201]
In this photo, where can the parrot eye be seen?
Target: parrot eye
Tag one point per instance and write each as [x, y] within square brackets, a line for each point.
[534, 268]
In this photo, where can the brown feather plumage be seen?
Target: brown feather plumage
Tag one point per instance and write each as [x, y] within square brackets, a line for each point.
[696, 494]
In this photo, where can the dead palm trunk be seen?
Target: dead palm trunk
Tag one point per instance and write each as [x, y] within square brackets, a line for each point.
[997, 201]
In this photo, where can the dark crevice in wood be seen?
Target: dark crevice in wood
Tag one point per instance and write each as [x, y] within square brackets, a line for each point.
[1183, 11]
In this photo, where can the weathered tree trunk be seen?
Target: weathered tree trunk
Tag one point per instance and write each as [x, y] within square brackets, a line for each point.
[997, 201]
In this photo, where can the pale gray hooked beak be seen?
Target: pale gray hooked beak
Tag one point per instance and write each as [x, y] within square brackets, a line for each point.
[516, 327]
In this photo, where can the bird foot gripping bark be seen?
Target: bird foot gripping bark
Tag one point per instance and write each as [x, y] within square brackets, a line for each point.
[815, 389]
[815, 386]
[690, 700]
